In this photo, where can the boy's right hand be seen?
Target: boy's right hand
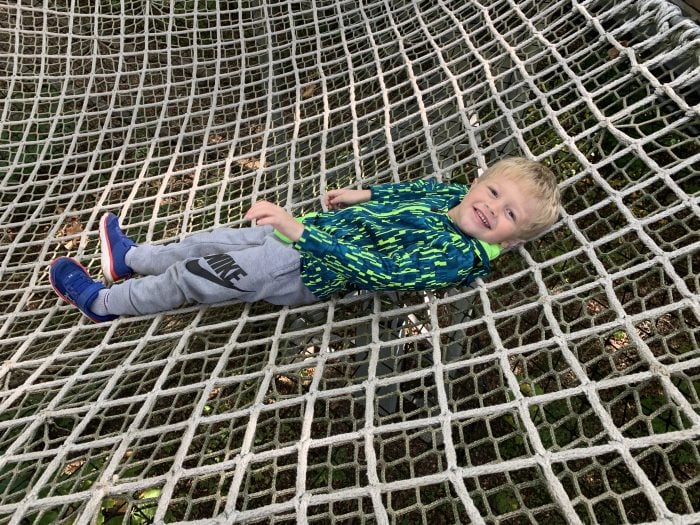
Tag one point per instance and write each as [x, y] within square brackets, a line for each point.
[344, 197]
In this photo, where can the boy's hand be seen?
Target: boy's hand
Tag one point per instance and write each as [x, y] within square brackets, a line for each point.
[267, 213]
[342, 198]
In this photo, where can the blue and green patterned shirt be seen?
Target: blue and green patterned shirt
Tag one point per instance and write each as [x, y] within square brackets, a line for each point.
[401, 239]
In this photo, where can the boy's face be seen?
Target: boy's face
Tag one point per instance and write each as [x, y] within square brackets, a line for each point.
[494, 210]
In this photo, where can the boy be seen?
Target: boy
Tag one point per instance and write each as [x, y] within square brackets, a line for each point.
[421, 235]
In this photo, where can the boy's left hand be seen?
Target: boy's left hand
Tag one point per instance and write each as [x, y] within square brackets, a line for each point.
[267, 213]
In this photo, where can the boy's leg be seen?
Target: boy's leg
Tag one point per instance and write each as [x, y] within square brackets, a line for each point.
[156, 259]
[268, 271]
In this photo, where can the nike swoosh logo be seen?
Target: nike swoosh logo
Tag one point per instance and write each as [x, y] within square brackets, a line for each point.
[196, 269]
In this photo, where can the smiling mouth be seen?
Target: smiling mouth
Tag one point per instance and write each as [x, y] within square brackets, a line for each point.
[481, 216]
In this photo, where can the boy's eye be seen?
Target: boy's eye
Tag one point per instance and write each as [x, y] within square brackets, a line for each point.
[511, 214]
[493, 191]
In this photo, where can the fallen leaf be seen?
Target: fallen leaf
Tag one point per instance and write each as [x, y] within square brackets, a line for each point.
[308, 91]
[251, 164]
[74, 227]
[73, 466]
[614, 52]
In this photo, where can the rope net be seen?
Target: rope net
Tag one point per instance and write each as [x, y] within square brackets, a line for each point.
[565, 388]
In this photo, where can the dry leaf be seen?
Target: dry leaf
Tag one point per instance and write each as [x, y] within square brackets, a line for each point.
[613, 52]
[8, 236]
[74, 227]
[73, 466]
[251, 164]
[285, 380]
[308, 91]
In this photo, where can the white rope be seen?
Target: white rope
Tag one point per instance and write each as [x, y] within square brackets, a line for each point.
[568, 394]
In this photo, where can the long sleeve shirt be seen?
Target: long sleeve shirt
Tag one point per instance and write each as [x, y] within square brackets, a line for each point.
[401, 239]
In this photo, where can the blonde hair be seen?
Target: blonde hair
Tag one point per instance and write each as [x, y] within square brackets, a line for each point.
[537, 181]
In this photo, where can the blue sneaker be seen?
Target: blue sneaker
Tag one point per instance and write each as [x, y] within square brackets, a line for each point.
[114, 245]
[75, 286]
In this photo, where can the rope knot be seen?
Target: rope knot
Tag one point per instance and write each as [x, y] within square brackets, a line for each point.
[660, 370]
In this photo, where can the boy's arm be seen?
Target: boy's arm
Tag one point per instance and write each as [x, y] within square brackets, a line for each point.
[344, 197]
[418, 268]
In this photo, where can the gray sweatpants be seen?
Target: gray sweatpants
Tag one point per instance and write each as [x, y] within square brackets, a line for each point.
[244, 264]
